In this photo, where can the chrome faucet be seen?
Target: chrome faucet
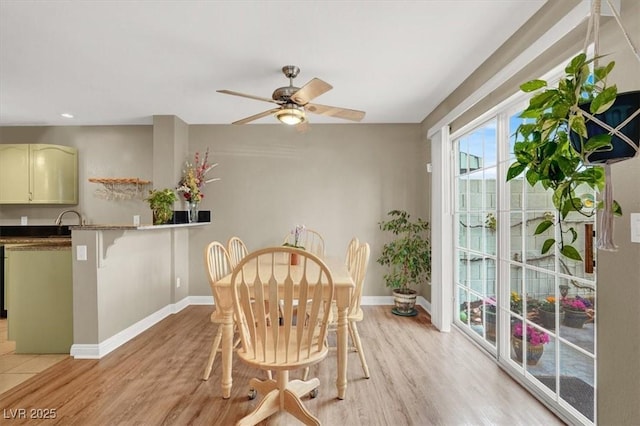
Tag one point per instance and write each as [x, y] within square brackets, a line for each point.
[59, 219]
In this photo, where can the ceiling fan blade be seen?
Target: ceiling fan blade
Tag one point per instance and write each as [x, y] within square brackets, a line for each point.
[257, 98]
[344, 113]
[311, 90]
[255, 117]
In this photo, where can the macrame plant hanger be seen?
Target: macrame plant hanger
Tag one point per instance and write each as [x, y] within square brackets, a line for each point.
[605, 239]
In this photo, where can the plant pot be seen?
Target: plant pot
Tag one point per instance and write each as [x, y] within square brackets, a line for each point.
[294, 259]
[625, 105]
[405, 302]
[575, 319]
[548, 318]
[490, 324]
[162, 216]
[534, 352]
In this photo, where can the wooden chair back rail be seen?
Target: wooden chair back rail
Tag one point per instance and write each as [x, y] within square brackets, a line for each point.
[358, 273]
[218, 265]
[293, 339]
[237, 250]
[351, 252]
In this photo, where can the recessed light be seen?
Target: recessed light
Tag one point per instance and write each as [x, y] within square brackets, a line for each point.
[66, 115]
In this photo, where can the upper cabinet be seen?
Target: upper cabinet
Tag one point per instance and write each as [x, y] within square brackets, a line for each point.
[38, 174]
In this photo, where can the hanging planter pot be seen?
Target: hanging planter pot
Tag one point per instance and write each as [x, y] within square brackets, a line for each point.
[625, 106]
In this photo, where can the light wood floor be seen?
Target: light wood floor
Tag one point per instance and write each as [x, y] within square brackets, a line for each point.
[418, 377]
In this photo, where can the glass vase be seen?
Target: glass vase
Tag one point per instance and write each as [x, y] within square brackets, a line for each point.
[193, 211]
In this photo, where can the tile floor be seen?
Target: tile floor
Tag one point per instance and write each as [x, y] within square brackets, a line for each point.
[15, 369]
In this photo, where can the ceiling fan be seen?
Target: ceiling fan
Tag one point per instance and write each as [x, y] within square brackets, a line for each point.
[294, 102]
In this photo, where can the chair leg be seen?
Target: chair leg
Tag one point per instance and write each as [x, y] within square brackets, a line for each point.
[212, 356]
[263, 386]
[293, 405]
[356, 340]
[305, 373]
[266, 407]
[300, 388]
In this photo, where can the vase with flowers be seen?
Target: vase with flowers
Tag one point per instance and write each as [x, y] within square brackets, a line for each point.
[575, 311]
[547, 312]
[193, 180]
[297, 241]
[536, 339]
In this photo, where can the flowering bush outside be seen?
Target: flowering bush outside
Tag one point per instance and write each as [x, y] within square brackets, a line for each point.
[515, 302]
[194, 177]
[577, 304]
[490, 304]
[534, 336]
[549, 304]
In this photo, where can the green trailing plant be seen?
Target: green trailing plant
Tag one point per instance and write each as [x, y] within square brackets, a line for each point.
[545, 154]
[161, 202]
[409, 255]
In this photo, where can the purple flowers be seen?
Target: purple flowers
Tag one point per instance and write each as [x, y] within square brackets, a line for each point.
[534, 336]
[297, 234]
[577, 304]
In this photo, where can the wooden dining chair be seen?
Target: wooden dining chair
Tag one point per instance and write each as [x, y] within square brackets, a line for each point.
[290, 344]
[357, 268]
[311, 240]
[237, 250]
[218, 264]
[351, 252]
[355, 315]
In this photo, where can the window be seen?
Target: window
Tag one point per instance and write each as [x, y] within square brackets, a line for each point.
[505, 288]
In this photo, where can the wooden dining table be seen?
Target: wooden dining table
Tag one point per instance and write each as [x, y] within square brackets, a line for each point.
[343, 288]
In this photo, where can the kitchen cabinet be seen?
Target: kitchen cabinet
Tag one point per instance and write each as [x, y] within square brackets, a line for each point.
[38, 174]
[40, 299]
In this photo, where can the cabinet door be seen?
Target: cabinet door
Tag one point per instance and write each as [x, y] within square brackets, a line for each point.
[14, 173]
[54, 174]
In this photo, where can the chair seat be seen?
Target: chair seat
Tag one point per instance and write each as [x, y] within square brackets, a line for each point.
[277, 361]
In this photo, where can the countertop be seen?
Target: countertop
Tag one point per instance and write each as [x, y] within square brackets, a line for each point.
[36, 243]
[107, 227]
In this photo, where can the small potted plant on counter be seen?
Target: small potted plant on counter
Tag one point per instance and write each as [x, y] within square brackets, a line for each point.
[409, 258]
[161, 203]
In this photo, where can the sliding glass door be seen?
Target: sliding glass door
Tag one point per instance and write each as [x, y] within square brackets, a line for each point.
[520, 299]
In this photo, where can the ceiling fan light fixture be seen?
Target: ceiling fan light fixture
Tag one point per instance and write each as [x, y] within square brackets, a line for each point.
[291, 114]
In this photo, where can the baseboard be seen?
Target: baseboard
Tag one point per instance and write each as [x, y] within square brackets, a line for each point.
[97, 351]
[93, 351]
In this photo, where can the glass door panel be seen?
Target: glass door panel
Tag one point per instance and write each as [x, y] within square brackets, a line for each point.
[514, 287]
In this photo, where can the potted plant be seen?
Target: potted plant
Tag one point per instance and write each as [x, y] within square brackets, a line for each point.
[536, 339]
[161, 203]
[547, 313]
[575, 311]
[409, 258]
[545, 153]
[297, 237]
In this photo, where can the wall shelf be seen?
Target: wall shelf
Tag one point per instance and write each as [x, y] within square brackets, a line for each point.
[121, 188]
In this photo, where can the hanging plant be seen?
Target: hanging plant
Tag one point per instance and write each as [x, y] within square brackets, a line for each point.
[579, 128]
[545, 154]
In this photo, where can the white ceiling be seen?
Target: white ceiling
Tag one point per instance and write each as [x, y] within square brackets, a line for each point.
[122, 62]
